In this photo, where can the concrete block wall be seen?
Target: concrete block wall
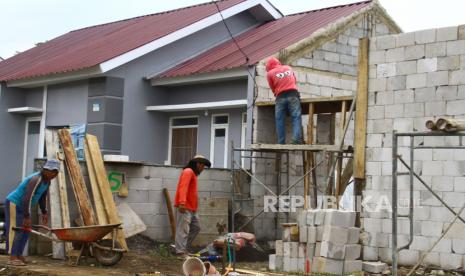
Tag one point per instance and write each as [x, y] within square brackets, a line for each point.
[328, 71]
[415, 77]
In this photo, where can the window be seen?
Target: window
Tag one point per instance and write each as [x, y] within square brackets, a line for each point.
[219, 141]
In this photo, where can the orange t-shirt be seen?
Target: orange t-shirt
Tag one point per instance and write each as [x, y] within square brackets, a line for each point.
[186, 192]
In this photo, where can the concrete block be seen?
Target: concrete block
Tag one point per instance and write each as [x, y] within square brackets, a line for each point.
[461, 32]
[435, 108]
[441, 214]
[378, 84]
[319, 217]
[302, 250]
[319, 233]
[414, 52]
[374, 267]
[385, 42]
[405, 39]
[317, 249]
[457, 231]
[453, 199]
[442, 183]
[454, 168]
[458, 246]
[416, 81]
[279, 263]
[448, 33]
[459, 184]
[352, 251]
[449, 63]
[425, 94]
[287, 264]
[395, 55]
[431, 228]
[303, 231]
[385, 255]
[427, 65]
[370, 253]
[301, 265]
[437, 78]
[453, 107]
[456, 47]
[294, 249]
[335, 234]
[376, 112]
[457, 77]
[414, 110]
[450, 261]
[394, 111]
[408, 257]
[326, 265]
[272, 262]
[310, 217]
[333, 57]
[443, 246]
[311, 234]
[425, 36]
[427, 199]
[406, 67]
[396, 83]
[377, 57]
[310, 251]
[435, 50]
[332, 250]
[340, 218]
[287, 249]
[279, 250]
[378, 239]
[385, 70]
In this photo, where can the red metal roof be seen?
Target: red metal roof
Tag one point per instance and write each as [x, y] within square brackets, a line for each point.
[263, 41]
[88, 47]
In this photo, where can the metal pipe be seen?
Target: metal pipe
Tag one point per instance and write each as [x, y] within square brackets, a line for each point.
[394, 203]
[429, 189]
[444, 147]
[432, 133]
[256, 179]
[410, 214]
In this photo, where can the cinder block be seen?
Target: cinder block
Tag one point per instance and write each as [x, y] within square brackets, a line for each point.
[302, 249]
[457, 77]
[287, 264]
[335, 234]
[377, 57]
[427, 65]
[294, 249]
[386, 70]
[432, 259]
[408, 257]
[312, 234]
[332, 250]
[301, 265]
[272, 262]
[395, 55]
[354, 235]
[310, 251]
[437, 78]
[279, 250]
[448, 33]
[413, 110]
[385, 42]
[303, 232]
[370, 253]
[340, 218]
[456, 47]
[319, 218]
[326, 265]
[287, 249]
[374, 267]
[319, 233]
[301, 217]
[414, 52]
[294, 264]
[458, 246]
[317, 249]
[450, 261]
[431, 228]
[416, 81]
[425, 36]
[449, 63]
[406, 67]
[405, 39]
[435, 50]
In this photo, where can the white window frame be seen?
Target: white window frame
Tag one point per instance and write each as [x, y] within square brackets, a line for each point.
[243, 135]
[170, 136]
[212, 139]
[26, 130]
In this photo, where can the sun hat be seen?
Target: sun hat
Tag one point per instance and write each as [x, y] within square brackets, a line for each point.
[201, 159]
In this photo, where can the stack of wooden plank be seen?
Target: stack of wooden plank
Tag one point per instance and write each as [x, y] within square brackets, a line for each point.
[102, 210]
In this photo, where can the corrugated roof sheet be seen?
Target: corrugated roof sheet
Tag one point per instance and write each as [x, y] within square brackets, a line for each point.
[88, 47]
[263, 41]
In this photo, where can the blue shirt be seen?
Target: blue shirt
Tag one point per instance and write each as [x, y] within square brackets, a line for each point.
[17, 195]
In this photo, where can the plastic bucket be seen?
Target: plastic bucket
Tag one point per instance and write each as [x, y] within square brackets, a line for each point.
[193, 267]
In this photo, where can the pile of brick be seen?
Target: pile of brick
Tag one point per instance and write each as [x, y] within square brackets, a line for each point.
[328, 242]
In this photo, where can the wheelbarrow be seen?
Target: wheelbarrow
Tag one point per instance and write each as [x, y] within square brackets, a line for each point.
[107, 251]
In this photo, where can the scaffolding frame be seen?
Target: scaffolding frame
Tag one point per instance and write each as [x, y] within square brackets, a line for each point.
[412, 175]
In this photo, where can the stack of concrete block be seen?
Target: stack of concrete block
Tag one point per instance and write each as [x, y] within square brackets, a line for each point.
[328, 243]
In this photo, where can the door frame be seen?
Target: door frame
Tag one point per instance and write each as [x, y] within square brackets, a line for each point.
[170, 135]
[212, 139]
[26, 130]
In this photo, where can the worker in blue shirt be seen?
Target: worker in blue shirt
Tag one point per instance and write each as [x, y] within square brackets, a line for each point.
[32, 190]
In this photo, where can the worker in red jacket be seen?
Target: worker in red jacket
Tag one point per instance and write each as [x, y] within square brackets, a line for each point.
[186, 202]
[282, 82]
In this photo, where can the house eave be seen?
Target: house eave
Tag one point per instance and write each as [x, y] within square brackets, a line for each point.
[232, 74]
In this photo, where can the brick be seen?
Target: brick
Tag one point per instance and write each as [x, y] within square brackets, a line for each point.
[425, 36]
[449, 63]
[435, 50]
[374, 267]
[279, 248]
[405, 39]
[385, 42]
[335, 234]
[339, 218]
[450, 261]
[396, 83]
[395, 55]
[386, 70]
[427, 65]
[311, 234]
[437, 78]
[416, 80]
[455, 47]
[406, 67]
[448, 33]
[431, 228]
[414, 52]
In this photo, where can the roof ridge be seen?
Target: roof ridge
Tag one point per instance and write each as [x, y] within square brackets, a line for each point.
[332, 7]
[147, 15]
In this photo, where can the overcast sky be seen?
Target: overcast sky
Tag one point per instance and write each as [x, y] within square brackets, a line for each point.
[23, 23]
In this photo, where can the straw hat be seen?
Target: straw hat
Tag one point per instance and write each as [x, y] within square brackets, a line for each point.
[201, 159]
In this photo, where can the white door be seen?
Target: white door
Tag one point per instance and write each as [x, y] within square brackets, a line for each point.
[219, 141]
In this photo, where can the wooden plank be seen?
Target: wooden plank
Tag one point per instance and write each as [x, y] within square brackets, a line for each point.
[58, 248]
[342, 123]
[77, 180]
[98, 204]
[291, 147]
[346, 175]
[311, 155]
[169, 207]
[362, 109]
[311, 100]
[104, 186]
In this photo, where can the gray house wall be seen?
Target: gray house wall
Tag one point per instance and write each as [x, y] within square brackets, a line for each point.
[34, 97]
[67, 104]
[11, 137]
[142, 129]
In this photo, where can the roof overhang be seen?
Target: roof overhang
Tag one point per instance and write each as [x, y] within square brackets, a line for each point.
[198, 106]
[232, 74]
[271, 13]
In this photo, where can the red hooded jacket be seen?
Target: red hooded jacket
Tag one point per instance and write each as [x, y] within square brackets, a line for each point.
[280, 77]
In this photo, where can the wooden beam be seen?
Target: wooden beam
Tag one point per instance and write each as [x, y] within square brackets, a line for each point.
[277, 147]
[342, 123]
[346, 176]
[362, 109]
[77, 180]
[169, 208]
[311, 155]
[104, 186]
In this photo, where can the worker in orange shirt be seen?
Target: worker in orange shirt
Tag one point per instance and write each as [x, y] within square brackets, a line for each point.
[186, 202]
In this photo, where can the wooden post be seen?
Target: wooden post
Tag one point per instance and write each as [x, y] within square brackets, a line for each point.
[342, 123]
[98, 201]
[310, 155]
[362, 109]
[169, 207]
[77, 180]
[361, 122]
[104, 186]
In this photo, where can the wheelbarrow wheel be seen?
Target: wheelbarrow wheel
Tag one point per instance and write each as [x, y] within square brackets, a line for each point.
[107, 257]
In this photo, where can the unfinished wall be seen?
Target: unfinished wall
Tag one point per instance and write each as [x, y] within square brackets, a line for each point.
[328, 71]
[415, 77]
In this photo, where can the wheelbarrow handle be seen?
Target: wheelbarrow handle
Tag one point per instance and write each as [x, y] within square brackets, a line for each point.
[30, 230]
[42, 226]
